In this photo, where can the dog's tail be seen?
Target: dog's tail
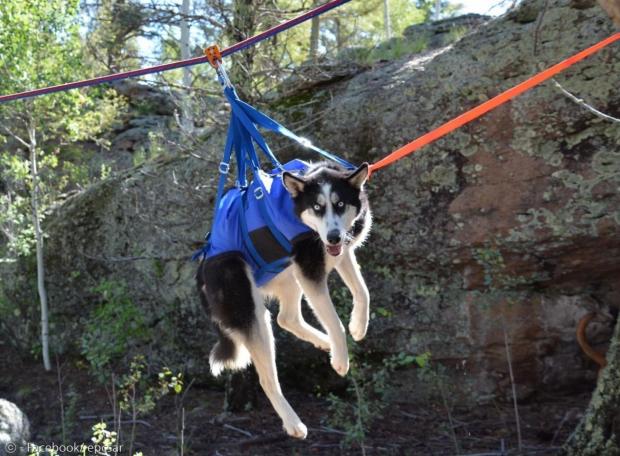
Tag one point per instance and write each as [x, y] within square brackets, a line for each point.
[228, 353]
[595, 356]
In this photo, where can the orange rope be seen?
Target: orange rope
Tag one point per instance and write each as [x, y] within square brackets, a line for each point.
[490, 104]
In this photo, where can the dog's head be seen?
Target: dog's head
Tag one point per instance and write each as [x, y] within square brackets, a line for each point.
[328, 199]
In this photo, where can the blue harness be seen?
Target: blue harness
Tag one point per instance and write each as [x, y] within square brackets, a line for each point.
[256, 220]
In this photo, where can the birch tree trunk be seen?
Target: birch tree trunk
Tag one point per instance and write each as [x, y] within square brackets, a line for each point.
[598, 434]
[187, 120]
[36, 222]
[387, 23]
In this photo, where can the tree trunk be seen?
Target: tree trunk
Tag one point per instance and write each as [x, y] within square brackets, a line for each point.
[598, 434]
[437, 12]
[34, 174]
[314, 37]
[339, 35]
[387, 23]
[243, 26]
[187, 120]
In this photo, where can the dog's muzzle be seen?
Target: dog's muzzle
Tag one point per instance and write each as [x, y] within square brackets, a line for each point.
[334, 243]
[334, 249]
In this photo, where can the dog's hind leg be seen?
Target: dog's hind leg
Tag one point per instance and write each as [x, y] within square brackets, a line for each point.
[317, 294]
[349, 271]
[260, 344]
[287, 290]
[226, 294]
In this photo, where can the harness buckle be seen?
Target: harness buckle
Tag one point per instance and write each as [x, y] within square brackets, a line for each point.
[258, 193]
[224, 167]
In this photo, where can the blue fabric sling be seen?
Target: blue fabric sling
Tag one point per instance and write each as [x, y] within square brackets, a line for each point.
[256, 220]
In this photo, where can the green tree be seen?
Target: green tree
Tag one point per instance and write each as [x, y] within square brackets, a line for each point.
[354, 25]
[40, 46]
[113, 27]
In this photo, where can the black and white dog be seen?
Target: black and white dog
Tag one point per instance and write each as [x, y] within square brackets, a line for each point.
[332, 202]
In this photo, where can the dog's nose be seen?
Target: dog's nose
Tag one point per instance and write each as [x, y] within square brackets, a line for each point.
[333, 237]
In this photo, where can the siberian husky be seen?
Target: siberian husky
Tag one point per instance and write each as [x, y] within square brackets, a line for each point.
[333, 204]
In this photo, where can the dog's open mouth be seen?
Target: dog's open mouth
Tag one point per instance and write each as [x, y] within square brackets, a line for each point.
[334, 250]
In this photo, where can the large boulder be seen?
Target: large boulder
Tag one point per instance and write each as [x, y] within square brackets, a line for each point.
[14, 430]
[498, 229]
[501, 235]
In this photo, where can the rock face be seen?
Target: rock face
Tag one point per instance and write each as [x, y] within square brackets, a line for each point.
[503, 233]
[14, 429]
[497, 227]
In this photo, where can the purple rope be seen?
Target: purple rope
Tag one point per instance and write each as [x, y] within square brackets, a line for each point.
[181, 63]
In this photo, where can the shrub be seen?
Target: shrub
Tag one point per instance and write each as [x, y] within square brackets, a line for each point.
[114, 327]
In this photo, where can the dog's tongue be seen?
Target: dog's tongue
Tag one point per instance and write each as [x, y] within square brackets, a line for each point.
[334, 250]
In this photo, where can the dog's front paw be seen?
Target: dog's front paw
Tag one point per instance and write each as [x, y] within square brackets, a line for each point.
[298, 430]
[340, 364]
[358, 327]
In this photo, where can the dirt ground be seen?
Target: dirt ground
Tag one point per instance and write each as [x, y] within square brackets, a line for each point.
[404, 428]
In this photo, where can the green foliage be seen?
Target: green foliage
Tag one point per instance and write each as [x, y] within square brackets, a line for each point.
[457, 33]
[113, 27]
[358, 24]
[353, 31]
[17, 315]
[155, 148]
[368, 389]
[139, 394]
[103, 437]
[38, 43]
[383, 312]
[103, 442]
[436, 378]
[395, 49]
[40, 46]
[71, 418]
[114, 327]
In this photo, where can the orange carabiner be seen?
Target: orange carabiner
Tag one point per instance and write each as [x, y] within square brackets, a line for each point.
[214, 56]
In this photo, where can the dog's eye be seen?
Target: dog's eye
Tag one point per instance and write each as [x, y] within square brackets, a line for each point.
[340, 204]
[317, 207]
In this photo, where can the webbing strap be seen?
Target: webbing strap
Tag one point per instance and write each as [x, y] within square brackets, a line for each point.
[245, 234]
[248, 125]
[269, 124]
[239, 154]
[223, 169]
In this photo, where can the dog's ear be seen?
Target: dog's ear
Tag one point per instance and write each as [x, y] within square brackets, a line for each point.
[359, 176]
[295, 185]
